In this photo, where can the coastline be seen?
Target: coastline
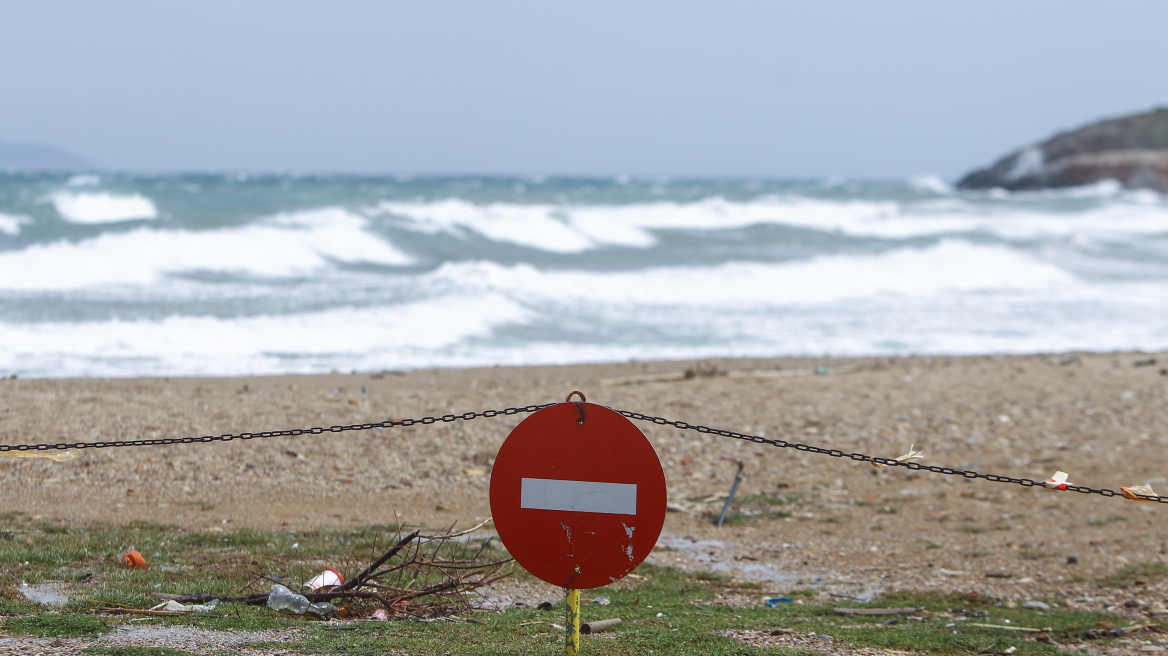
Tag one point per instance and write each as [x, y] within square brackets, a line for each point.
[1096, 416]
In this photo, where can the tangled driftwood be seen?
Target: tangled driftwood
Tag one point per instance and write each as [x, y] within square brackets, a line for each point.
[420, 576]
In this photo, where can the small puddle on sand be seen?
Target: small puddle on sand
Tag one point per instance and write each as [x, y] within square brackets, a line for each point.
[50, 594]
[711, 554]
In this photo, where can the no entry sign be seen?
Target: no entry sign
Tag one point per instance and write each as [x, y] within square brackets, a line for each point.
[578, 495]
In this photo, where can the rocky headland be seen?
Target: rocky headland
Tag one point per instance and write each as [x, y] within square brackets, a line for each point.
[1132, 150]
[27, 157]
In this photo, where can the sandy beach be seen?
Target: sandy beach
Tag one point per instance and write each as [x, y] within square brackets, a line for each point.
[845, 524]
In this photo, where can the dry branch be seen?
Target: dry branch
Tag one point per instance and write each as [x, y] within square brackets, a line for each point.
[423, 577]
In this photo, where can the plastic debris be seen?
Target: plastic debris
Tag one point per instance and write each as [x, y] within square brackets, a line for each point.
[50, 594]
[134, 560]
[1136, 491]
[281, 598]
[774, 602]
[588, 628]
[602, 600]
[912, 454]
[381, 614]
[62, 456]
[55, 457]
[325, 581]
[1027, 629]
[1058, 481]
[1036, 605]
[173, 605]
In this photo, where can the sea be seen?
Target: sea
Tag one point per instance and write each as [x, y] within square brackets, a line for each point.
[120, 274]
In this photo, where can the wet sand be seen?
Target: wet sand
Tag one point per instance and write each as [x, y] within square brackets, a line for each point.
[850, 527]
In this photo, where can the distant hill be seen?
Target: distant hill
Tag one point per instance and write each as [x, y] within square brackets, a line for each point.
[1131, 149]
[35, 157]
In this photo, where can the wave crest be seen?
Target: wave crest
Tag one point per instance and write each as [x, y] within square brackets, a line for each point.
[10, 223]
[103, 207]
[293, 244]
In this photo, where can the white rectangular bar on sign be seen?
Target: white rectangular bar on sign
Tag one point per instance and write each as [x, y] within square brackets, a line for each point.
[578, 496]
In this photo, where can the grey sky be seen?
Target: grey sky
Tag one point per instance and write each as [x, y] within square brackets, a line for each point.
[869, 89]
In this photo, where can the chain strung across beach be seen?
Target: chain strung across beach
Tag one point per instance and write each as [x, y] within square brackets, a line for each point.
[876, 460]
[661, 421]
[294, 432]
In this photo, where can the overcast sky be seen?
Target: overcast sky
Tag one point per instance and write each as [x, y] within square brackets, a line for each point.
[789, 89]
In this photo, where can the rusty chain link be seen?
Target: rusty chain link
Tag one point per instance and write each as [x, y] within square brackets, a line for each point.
[661, 421]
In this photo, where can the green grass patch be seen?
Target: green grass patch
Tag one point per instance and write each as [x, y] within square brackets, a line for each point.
[753, 508]
[767, 499]
[668, 611]
[801, 592]
[1137, 574]
[62, 625]
[11, 607]
[1028, 554]
[690, 622]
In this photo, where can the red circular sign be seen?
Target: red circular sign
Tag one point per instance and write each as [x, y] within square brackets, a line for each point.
[578, 504]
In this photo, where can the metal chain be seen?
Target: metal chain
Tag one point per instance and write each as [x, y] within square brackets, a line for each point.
[389, 423]
[467, 416]
[888, 462]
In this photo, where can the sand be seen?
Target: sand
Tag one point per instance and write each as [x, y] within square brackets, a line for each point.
[852, 530]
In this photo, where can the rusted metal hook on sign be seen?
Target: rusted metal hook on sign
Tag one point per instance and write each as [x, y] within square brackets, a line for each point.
[579, 408]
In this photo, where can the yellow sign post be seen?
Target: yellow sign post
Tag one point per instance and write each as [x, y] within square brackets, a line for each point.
[572, 639]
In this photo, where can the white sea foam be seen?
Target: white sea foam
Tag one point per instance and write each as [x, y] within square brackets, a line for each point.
[84, 180]
[10, 223]
[948, 267]
[930, 183]
[293, 244]
[1112, 221]
[942, 272]
[574, 229]
[1029, 162]
[534, 226]
[1106, 188]
[469, 328]
[103, 207]
[259, 344]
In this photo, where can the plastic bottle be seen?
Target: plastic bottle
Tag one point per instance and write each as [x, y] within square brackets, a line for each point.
[322, 608]
[281, 598]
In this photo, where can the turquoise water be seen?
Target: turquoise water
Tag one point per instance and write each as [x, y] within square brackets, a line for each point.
[124, 275]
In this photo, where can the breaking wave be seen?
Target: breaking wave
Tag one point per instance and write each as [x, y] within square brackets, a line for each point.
[241, 275]
[103, 207]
